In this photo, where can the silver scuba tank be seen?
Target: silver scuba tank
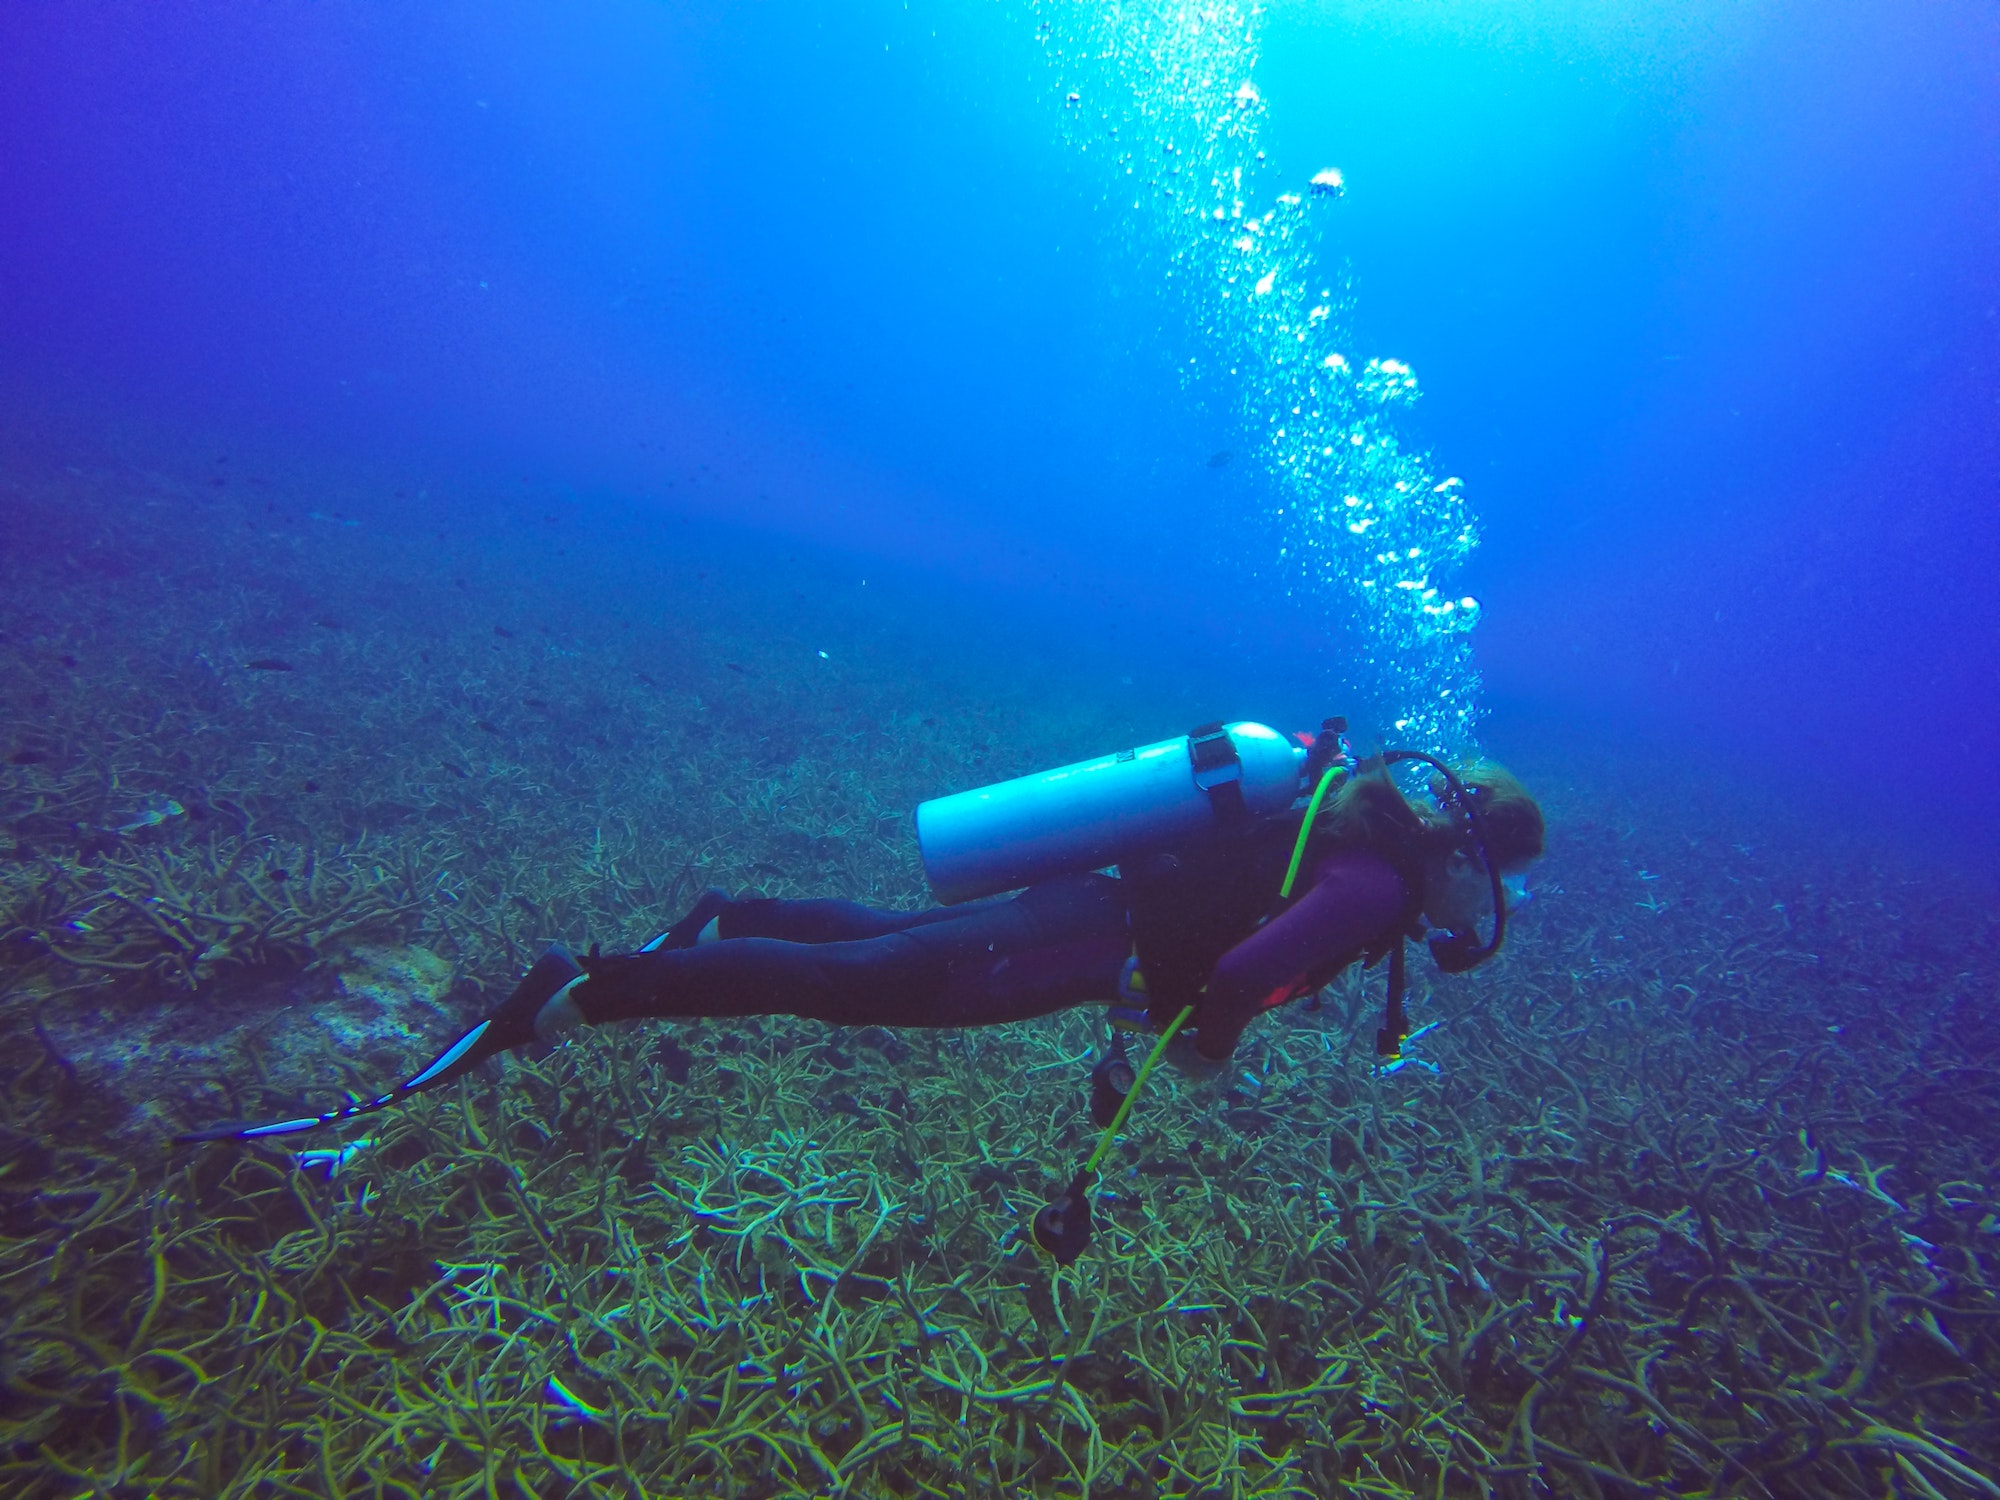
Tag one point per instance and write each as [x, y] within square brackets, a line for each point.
[1099, 812]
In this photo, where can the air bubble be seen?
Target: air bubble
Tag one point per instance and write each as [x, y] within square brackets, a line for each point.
[1177, 84]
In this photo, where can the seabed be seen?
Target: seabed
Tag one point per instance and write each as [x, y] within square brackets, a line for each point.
[1690, 1193]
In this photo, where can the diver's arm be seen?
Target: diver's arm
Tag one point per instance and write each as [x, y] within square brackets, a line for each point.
[1354, 903]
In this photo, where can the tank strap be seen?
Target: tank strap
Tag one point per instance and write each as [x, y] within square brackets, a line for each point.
[1218, 770]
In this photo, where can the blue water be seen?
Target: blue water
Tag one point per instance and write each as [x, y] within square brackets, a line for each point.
[473, 476]
[1699, 297]
[1701, 300]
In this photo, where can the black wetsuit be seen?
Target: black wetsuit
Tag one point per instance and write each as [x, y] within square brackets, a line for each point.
[1054, 945]
[1197, 919]
[1206, 925]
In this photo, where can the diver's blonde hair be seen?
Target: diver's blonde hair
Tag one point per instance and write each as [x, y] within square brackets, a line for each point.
[1370, 812]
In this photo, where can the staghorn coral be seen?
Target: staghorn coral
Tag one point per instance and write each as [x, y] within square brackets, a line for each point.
[1590, 1254]
[179, 918]
[1698, 1201]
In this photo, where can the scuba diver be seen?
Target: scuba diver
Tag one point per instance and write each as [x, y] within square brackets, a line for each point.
[1250, 871]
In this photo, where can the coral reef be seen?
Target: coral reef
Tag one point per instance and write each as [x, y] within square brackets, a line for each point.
[1690, 1193]
[154, 918]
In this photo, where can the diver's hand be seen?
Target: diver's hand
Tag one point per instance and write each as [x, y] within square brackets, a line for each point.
[1185, 1053]
[1219, 1024]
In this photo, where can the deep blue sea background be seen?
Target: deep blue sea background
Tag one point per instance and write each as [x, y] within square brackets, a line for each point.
[1703, 299]
[472, 477]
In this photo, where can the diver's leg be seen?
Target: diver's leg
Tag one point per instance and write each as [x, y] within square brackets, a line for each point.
[715, 916]
[753, 976]
[823, 921]
[688, 930]
[1053, 946]
[1073, 950]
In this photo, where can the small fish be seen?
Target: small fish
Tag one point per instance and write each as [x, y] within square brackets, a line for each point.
[574, 1404]
[486, 724]
[66, 659]
[647, 678]
[1217, 459]
[328, 622]
[268, 664]
[502, 630]
[278, 873]
[1410, 1062]
[738, 667]
[328, 1162]
[152, 815]
[456, 769]
[536, 702]
[27, 757]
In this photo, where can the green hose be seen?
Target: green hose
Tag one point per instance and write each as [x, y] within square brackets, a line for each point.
[1124, 1109]
[1159, 1049]
[1333, 773]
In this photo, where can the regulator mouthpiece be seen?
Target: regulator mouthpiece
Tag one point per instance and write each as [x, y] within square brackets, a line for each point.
[1459, 952]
